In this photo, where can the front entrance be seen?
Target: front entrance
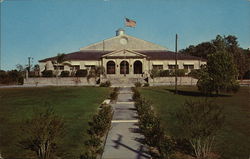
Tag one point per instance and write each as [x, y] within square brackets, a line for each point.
[124, 67]
[137, 67]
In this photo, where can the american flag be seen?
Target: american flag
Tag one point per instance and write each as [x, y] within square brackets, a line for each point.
[130, 23]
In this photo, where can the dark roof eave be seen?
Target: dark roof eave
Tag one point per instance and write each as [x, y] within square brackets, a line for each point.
[152, 55]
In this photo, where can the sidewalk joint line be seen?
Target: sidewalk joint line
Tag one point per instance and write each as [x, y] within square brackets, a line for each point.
[124, 121]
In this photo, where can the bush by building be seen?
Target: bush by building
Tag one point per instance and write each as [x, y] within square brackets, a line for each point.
[64, 74]
[146, 85]
[105, 84]
[164, 73]
[81, 73]
[138, 84]
[47, 73]
[179, 72]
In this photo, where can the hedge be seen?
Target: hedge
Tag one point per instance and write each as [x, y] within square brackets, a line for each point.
[81, 73]
[47, 73]
[64, 74]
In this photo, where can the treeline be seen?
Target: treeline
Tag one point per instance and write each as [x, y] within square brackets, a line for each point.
[16, 76]
[11, 77]
[241, 57]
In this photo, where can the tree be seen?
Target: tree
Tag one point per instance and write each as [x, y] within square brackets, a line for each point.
[200, 50]
[36, 69]
[219, 74]
[60, 58]
[154, 73]
[95, 72]
[228, 43]
[41, 133]
[199, 122]
[238, 55]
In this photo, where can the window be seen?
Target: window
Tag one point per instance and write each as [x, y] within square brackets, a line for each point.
[171, 67]
[58, 67]
[158, 67]
[188, 67]
[89, 67]
[75, 67]
[111, 67]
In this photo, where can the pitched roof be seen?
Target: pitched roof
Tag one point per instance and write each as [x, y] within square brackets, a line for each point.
[168, 55]
[80, 55]
[132, 43]
[152, 54]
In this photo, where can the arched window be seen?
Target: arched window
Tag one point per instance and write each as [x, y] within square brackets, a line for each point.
[124, 67]
[137, 67]
[111, 67]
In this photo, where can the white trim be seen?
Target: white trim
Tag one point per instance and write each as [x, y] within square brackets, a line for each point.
[157, 63]
[124, 50]
[188, 63]
[172, 63]
[90, 63]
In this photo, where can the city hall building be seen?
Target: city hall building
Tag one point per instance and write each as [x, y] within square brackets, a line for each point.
[123, 55]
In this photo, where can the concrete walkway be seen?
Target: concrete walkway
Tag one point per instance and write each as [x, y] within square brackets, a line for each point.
[124, 141]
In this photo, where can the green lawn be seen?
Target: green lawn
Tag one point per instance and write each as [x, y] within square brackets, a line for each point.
[233, 141]
[75, 104]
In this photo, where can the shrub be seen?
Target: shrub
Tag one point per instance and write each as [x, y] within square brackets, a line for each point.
[47, 73]
[41, 133]
[164, 73]
[200, 121]
[194, 74]
[81, 73]
[105, 84]
[247, 75]
[98, 127]
[114, 94]
[234, 87]
[136, 94]
[179, 72]
[151, 128]
[137, 84]
[146, 85]
[64, 74]
[154, 73]
[20, 80]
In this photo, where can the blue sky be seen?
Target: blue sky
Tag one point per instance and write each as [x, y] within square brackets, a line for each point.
[43, 28]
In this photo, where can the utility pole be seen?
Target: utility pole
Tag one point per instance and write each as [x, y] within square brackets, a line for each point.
[176, 37]
[29, 65]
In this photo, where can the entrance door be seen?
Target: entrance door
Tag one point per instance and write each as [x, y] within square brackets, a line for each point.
[137, 67]
[111, 67]
[124, 67]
